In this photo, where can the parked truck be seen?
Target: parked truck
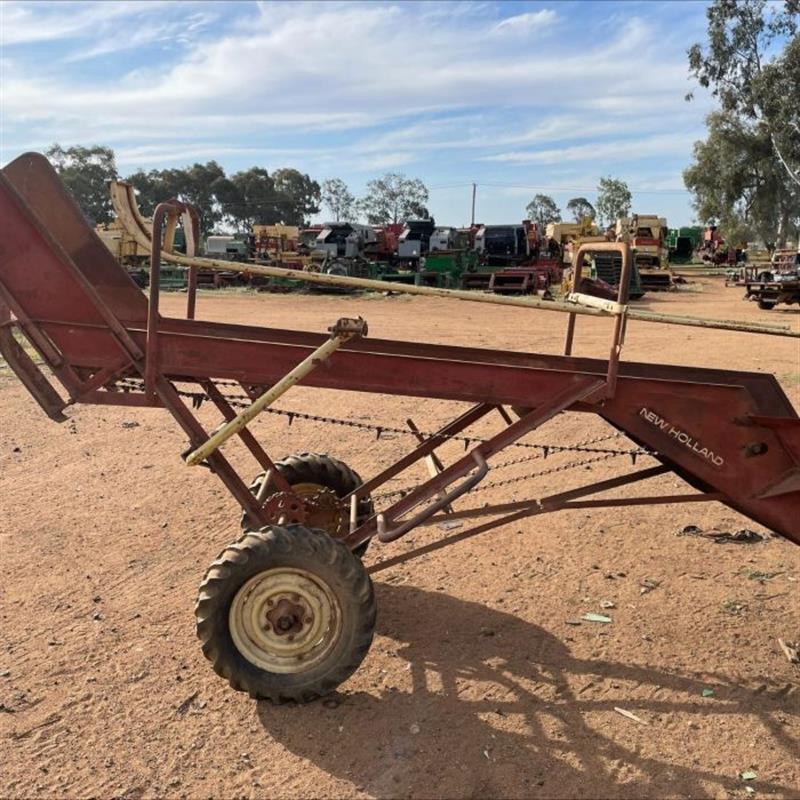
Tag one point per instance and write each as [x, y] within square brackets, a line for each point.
[507, 245]
[780, 284]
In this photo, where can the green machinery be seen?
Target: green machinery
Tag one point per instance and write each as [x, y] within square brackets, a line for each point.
[442, 268]
[174, 278]
[682, 243]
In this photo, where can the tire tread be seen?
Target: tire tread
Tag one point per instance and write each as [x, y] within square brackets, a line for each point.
[234, 564]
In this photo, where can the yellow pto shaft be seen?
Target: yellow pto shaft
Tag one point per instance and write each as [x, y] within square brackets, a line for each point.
[343, 331]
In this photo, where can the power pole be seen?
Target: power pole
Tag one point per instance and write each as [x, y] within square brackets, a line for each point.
[474, 187]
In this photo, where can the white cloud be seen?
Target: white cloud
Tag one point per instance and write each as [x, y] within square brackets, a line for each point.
[669, 144]
[377, 67]
[530, 22]
[168, 33]
[158, 154]
[26, 23]
[383, 161]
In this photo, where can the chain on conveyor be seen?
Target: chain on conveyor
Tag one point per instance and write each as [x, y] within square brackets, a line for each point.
[483, 486]
[543, 450]
[241, 401]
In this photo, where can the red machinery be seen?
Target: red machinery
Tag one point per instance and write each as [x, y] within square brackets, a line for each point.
[287, 611]
[385, 248]
[711, 249]
[511, 256]
[527, 278]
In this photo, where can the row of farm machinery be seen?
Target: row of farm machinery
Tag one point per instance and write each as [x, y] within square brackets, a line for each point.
[519, 259]
[515, 259]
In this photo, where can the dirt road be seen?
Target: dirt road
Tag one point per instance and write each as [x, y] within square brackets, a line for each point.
[477, 685]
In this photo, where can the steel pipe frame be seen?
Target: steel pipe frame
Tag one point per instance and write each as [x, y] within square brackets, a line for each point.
[274, 477]
[217, 462]
[127, 399]
[520, 509]
[546, 505]
[591, 488]
[425, 447]
[252, 505]
[26, 370]
[478, 297]
[584, 389]
[182, 341]
[340, 334]
[118, 398]
[432, 461]
[171, 211]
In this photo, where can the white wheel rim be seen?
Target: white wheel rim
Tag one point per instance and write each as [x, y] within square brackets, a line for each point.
[285, 620]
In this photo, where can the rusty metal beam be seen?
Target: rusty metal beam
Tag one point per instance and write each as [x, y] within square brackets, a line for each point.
[247, 438]
[25, 369]
[545, 505]
[428, 446]
[343, 331]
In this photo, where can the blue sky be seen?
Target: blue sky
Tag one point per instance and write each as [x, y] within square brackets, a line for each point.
[519, 97]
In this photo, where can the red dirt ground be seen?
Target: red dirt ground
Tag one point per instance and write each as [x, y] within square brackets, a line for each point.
[476, 685]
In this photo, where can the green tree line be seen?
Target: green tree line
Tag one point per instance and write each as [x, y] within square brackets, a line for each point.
[613, 201]
[257, 197]
[248, 197]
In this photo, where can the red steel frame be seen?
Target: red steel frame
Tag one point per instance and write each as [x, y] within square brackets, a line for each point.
[733, 436]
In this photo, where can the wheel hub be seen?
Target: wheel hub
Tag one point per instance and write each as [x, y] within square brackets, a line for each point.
[324, 510]
[309, 504]
[285, 620]
[285, 508]
[288, 618]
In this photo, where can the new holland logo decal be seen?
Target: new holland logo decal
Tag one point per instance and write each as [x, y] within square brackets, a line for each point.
[681, 436]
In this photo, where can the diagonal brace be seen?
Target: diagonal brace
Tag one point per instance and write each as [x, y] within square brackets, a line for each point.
[343, 331]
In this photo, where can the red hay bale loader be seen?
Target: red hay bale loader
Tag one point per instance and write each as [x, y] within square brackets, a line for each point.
[287, 611]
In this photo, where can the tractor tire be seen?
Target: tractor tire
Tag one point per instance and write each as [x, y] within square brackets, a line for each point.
[285, 614]
[766, 305]
[325, 472]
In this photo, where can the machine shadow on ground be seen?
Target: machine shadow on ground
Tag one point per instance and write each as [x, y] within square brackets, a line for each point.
[498, 708]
